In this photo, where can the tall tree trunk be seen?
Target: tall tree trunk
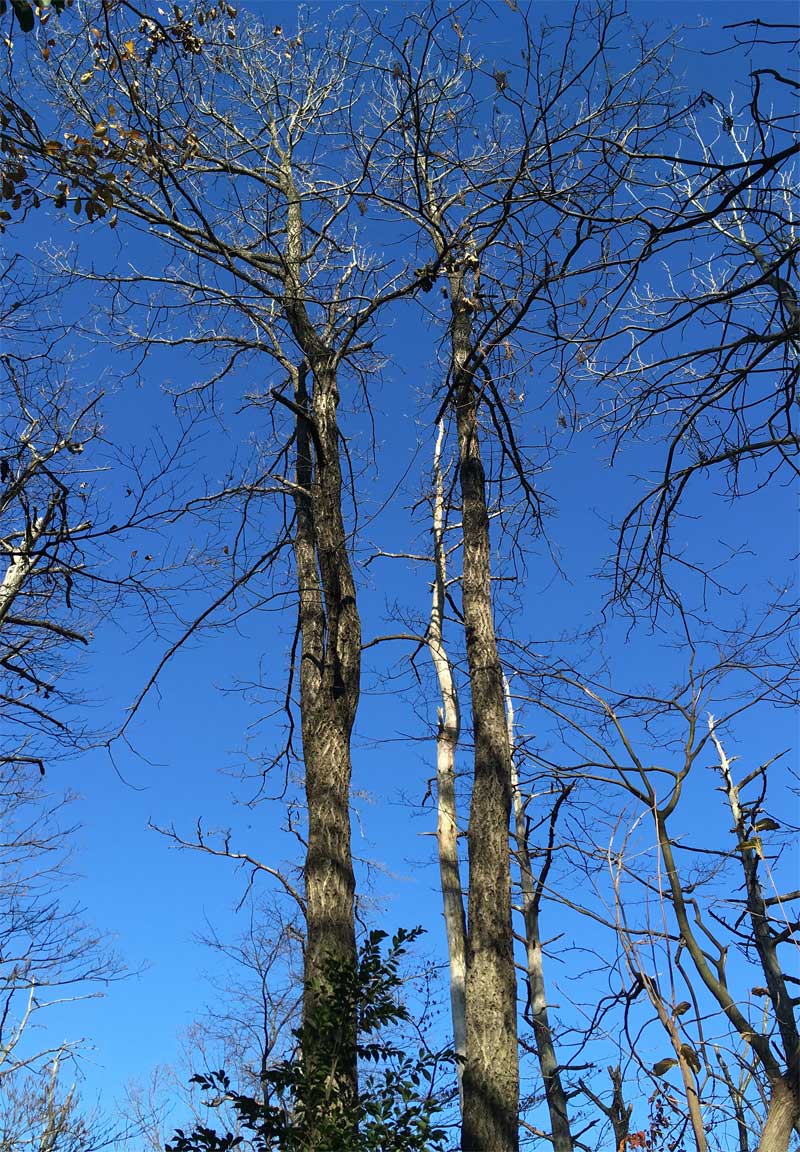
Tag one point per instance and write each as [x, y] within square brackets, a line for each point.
[330, 631]
[330, 634]
[491, 1072]
[446, 743]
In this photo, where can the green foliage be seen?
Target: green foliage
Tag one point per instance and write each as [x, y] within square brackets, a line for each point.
[303, 1104]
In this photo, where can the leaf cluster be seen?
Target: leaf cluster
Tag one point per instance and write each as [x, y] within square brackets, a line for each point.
[394, 1106]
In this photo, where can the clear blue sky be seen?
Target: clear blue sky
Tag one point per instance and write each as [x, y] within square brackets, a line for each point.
[151, 898]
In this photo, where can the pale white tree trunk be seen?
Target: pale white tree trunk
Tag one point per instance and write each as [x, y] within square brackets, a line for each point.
[446, 744]
[22, 561]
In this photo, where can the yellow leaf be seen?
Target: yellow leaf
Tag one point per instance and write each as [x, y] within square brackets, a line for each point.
[86, 77]
[101, 129]
[753, 845]
[690, 1056]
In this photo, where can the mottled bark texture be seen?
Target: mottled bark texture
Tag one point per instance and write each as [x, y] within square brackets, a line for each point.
[491, 1072]
[783, 1115]
[330, 629]
[330, 650]
[330, 637]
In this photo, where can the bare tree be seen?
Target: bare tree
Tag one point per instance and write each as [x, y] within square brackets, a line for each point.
[702, 351]
[63, 527]
[246, 1027]
[718, 978]
[44, 528]
[215, 149]
[269, 168]
[57, 584]
[482, 159]
[445, 541]
[48, 958]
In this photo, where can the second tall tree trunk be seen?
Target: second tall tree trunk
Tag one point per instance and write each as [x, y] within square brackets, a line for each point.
[491, 1072]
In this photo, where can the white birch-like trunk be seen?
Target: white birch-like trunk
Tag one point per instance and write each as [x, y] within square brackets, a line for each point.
[446, 743]
[22, 561]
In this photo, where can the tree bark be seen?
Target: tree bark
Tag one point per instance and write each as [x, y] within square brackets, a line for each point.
[22, 561]
[491, 1072]
[330, 636]
[783, 1117]
[330, 630]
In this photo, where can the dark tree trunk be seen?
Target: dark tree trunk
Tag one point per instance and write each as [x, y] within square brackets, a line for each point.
[330, 634]
[491, 1073]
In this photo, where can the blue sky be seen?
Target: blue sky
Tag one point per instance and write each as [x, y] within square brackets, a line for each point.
[152, 898]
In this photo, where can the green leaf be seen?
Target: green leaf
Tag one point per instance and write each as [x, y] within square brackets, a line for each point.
[390, 1113]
